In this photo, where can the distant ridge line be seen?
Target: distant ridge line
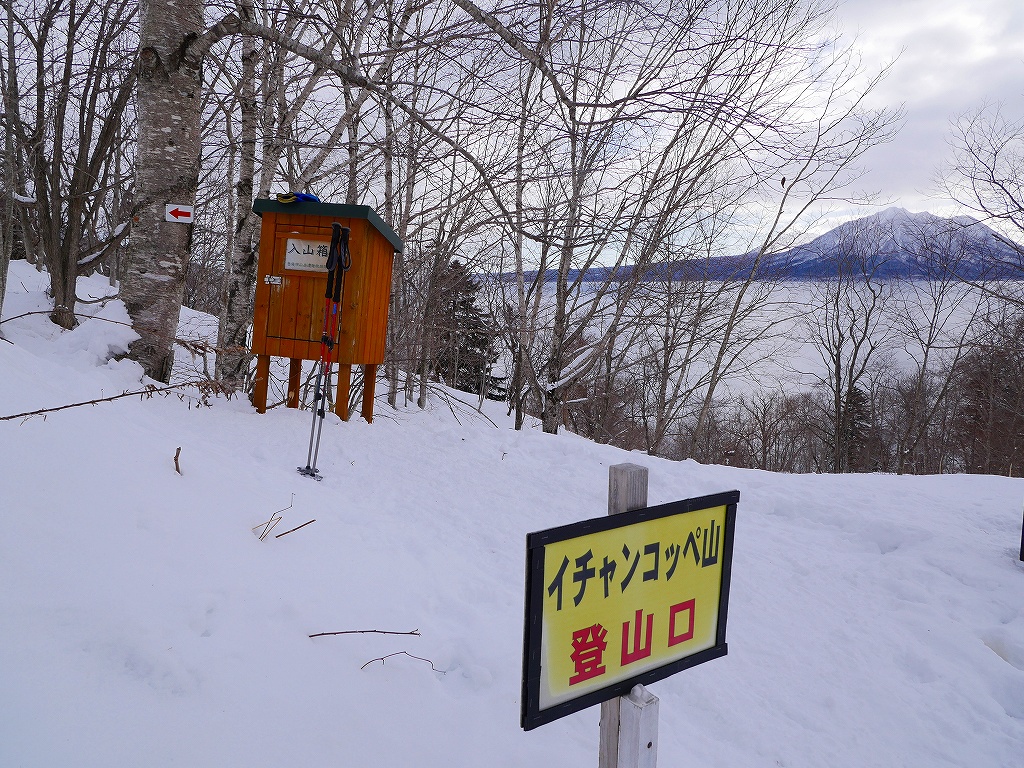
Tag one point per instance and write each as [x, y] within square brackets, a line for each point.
[891, 244]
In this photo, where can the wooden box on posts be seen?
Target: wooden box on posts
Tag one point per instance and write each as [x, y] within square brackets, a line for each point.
[288, 319]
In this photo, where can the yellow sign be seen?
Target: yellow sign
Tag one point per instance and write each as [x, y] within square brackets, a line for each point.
[624, 599]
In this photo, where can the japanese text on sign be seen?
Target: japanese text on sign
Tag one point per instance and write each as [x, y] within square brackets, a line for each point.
[619, 602]
[306, 255]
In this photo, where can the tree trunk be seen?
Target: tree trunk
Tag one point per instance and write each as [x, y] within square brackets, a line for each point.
[352, 129]
[394, 301]
[237, 308]
[394, 313]
[166, 172]
[64, 270]
[8, 164]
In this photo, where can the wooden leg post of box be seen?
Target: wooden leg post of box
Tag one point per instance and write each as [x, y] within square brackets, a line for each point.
[259, 387]
[629, 724]
[369, 387]
[294, 381]
[344, 386]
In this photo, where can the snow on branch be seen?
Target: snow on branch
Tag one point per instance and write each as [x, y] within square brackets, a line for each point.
[119, 233]
[578, 367]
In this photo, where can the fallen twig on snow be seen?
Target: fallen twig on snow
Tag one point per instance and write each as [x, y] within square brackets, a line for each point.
[148, 391]
[293, 530]
[404, 653]
[273, 521]
[366, 632]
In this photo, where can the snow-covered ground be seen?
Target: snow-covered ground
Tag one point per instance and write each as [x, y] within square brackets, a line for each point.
[874, 621]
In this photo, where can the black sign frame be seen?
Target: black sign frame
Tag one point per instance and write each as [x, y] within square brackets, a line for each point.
[531, 715]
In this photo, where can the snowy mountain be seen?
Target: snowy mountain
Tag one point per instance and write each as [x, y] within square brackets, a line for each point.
[874, 620]
[892, 243]
[898, 243]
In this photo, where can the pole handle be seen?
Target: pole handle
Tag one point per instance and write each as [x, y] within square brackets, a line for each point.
[339, 259]
[332, 259]
[343, 262]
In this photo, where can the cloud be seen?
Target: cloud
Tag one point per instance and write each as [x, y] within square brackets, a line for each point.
[950, 58]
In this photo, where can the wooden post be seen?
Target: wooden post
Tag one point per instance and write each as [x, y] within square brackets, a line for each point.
[627, 488]
[259, 387]
[638, 729]
[629, 724]
[294, 381]
[344, 387]
[369, 387]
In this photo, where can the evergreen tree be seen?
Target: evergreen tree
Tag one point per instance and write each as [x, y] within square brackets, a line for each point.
[856, 431]
[990, 424]
[466, 350]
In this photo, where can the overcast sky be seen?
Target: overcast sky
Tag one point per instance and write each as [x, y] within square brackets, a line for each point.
[953, 56]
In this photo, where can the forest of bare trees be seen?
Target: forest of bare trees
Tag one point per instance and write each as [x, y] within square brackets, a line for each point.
[548, 165]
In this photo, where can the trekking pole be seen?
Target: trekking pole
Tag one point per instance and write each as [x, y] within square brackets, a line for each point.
[339, 259]
[330, 340]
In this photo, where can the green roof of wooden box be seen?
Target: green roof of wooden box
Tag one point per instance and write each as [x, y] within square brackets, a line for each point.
[262, 205]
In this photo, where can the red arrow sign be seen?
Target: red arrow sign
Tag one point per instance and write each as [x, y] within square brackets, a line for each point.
[175, 212]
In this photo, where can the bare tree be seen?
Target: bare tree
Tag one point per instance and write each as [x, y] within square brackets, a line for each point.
[730, 110]
[935, 313]
[67, 87]
[240, 280]
[706, 321]
[986, 173]
[767, 435]
[166, 173]
[990, 385]
[8, 75]
[850, 329]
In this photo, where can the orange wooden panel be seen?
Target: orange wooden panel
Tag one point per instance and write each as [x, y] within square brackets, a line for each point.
[386, 256]
[372, 312]
[385, 302]
[349, 344]
[289, 312]
[277, 321]
[264, 264]
[305, 327]
[301, 314]
[274, 314]
[385, 306]
[366, 294]
[313, 297]
[348, 352]
[377, 314]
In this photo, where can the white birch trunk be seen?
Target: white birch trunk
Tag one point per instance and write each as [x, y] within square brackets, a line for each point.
[7, 212]
[166, 171]
[239, 292]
